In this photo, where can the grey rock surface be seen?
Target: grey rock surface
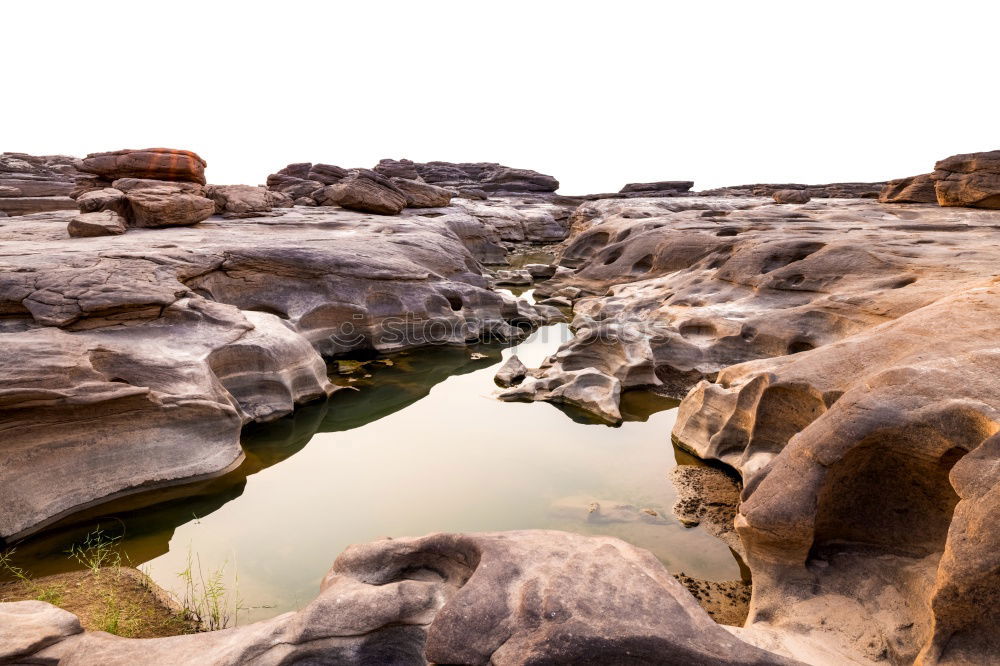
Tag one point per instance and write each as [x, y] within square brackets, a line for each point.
[134, 360]
[531, 597]
[511, 372]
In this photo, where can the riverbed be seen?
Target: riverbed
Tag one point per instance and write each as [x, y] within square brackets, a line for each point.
[415, 443]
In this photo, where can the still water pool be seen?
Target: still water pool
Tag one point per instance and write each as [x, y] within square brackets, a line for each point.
[418, 445]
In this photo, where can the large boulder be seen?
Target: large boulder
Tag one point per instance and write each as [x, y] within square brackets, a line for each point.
[791, 196]
[150, 163]
[106, 198]
[237, 201]
[915, 189]
[422, 195]
[104, 223]
[164, 204]
[397, 169]
[302, 181]
[365, 191]
[971, 179]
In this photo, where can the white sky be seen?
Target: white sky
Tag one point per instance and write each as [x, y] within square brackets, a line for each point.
[596, 94]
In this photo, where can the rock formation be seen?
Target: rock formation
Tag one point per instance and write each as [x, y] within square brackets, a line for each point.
[915, 189]
[791, 196]
[659, 188]
[422, 195]
[532, 597]
[365, 191]
[485, 176]
[36, 184]
[240, 201]
[134, 360]
[971, 179]
[840, 358]
[149, 163]
[103, 223]
[827, 191]
[154, 187]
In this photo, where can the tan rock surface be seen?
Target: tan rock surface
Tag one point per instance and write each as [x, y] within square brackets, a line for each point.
[843, 358]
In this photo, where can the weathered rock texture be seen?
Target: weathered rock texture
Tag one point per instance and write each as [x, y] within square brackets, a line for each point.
[156, 187]
[791, 196]
[971, 179]
[104, 223]
[533, 597]
[133, 361]
[663, 187]
[841, 356]
[36, 184]
[239, 201]
[915, 189]
[486, 176]
[827, 191]
[149, 163]
[365, 191]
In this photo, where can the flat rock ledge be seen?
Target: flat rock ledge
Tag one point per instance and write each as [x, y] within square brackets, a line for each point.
[530, 597]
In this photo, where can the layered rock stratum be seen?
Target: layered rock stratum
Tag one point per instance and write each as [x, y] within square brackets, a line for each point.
[36, 183]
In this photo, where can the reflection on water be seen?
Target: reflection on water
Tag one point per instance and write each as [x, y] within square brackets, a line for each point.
[421, 446]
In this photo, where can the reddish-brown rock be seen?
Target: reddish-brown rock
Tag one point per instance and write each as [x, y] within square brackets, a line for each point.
[791, 196]
[970, 179]
[152, 163]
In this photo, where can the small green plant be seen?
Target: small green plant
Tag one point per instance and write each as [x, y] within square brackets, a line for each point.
[7, 565]
[207, 601]
[49, 593]
[97, 551]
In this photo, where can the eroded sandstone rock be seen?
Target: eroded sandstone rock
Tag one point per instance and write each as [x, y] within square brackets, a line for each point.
[364, 191]
[104, 223]
[422, 195]
[239, 201]
[659, 188]
[484, 176]
[135, 362]
[511, 372]
[161, 205]
[915, 189]
[842, 363]
[971, 179]
[531, 597]
[150, 163]
[36, 183]
[791, 196]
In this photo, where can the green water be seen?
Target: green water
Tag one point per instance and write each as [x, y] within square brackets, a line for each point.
[421, 446]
